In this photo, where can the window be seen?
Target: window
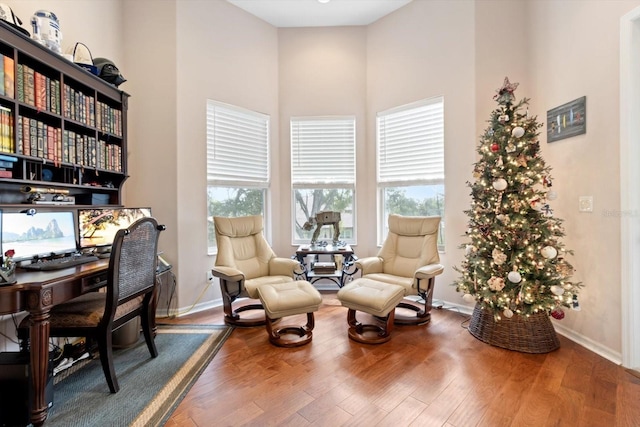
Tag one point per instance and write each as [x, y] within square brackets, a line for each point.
[410, 162]
[323, 172]
[237, 163]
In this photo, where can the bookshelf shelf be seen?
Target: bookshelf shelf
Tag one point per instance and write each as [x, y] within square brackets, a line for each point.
[61, 127]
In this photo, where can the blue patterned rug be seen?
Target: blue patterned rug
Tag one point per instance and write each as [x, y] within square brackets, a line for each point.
[150, 389]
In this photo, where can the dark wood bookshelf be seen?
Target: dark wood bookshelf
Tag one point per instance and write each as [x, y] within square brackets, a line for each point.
[76, 136]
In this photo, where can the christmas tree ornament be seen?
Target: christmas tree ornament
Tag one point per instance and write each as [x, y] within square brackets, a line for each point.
[507, 313]
[495, 147]
[575, 305]
[496, 283]
[557, 290]
[500, 184]
[468, 298]
[549, 252]
[522, 161]
[498, 256]
[503, 118]
[536, 204]
[470, 249]
[517, 132]
[511, 147]
[557, 313]
[499, 162]
[514, 277]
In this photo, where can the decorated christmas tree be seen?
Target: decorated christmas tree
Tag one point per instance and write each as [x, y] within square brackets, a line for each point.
[515, 262]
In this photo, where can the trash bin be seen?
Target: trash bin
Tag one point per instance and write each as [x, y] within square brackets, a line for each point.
[127, 335]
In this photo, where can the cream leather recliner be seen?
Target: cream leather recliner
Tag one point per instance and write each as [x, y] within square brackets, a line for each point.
[409, 258]
[244, 262]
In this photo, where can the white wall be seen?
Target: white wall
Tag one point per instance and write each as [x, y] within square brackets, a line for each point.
[323, 72]
[191, 51]
[574, 52]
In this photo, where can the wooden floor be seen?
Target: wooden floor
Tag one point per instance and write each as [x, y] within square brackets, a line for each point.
[432, 375]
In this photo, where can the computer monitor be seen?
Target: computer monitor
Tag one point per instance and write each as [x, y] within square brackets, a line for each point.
[98, 227]
[38, 234]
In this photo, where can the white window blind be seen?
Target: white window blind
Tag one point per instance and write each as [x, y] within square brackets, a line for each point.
[411, 143]
[323, 151]
[237, 145]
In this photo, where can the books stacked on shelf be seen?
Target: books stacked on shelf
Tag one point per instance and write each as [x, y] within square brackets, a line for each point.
[6, 166]
[38, 139]
[109, 120]
[6, 130]
[324, 267]
[37, 90]
[79, 107]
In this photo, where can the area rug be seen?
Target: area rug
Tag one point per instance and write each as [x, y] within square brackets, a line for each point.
[150, 389]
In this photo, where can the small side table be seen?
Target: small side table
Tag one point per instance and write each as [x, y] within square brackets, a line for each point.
[340, 276]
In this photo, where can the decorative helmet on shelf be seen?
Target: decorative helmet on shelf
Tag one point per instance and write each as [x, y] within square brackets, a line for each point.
[7, 15]
[46, 30]
[80, 55]
[108, 71]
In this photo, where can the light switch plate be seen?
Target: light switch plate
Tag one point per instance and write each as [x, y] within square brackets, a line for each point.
[585, 204]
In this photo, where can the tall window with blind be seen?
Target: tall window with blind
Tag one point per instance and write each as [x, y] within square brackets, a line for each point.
[237, 163]
[410, 162]
[323, 173]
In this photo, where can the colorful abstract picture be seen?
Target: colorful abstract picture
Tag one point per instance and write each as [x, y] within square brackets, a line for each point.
[567, 120]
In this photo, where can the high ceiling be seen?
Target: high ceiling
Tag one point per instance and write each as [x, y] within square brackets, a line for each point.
[312, 13]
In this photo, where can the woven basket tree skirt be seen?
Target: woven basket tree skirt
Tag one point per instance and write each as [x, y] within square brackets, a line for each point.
[533, 334]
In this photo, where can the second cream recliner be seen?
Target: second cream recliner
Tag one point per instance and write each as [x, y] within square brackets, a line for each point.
[244, 262]
[409, 258]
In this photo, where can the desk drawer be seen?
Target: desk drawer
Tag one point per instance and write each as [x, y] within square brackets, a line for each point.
[93, 283]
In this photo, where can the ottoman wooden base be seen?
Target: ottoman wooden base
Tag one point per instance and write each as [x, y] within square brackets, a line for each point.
[282, 336]
[375, 298]
[288, 299]
[370, 333]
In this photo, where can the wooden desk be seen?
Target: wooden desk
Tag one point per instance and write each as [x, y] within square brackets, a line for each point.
[36, 292]
[339, 277]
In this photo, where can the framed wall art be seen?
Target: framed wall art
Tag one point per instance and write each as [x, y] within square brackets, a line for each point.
[567, 120]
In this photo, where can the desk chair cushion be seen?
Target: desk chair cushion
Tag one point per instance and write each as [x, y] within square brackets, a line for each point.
[84, 311]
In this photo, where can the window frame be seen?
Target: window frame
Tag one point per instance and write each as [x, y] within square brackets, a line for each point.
[324, 182]
[437, 178]
[256, 129]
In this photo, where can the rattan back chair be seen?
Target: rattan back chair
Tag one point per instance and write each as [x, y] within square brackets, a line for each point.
[129, 291]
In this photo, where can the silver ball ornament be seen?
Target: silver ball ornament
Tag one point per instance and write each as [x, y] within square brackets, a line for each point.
[514, 277]
[549, 252]
[500, 184]
[517, 132]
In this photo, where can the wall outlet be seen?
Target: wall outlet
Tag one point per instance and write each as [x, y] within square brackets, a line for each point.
[585, 204]
[209, 276]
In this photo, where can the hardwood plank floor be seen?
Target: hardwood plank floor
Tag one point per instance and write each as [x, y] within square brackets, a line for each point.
[431, 375]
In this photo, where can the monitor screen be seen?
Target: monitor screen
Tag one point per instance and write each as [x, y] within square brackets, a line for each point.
[38, 235]
[98, 227]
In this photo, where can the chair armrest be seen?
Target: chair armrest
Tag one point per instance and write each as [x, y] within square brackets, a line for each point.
[280, 266]
[429, 271]
[229, 274]
[369, 265]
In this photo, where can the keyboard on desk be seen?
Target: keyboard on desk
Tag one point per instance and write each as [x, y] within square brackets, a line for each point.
[60, 263]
